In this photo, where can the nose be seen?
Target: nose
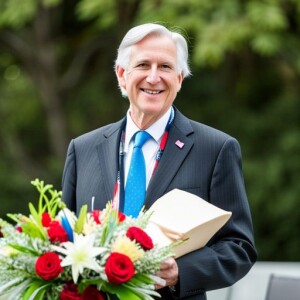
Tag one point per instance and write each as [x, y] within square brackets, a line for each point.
[153, 76]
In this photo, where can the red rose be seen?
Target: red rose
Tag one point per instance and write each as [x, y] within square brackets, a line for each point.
[46, 219]
[119, 268]
[91, 292]
[140, 236]
[121, 217]
[70, 292]
[19, 228]
[96, 216]
[48, 266]
[57, 233]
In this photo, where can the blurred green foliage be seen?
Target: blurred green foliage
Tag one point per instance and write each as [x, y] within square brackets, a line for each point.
[57, 82]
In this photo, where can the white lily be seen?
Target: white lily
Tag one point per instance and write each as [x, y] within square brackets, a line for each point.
[80, 254]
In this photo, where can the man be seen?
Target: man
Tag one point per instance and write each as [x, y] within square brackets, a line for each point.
[150, 67]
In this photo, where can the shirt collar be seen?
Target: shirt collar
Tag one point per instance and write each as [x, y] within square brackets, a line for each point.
[156, 130]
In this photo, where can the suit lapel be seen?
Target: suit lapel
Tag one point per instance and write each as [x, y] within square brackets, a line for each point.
[108, 154]
[172, 158]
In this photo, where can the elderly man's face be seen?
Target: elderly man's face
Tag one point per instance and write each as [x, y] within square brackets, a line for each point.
[151, 80]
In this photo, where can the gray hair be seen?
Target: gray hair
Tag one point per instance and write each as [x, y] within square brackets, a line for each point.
[136, 34]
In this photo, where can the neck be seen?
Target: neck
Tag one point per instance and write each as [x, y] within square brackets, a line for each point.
[143, 120]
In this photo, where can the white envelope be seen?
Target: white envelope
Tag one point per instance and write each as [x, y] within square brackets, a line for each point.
[179, 215]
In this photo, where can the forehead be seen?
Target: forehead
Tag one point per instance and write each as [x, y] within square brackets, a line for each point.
[154, 47]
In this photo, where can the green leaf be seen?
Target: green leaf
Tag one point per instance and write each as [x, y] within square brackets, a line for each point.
[13, 217]
[36, 291]
[24, 249]
[36, 228]
[110, 224]
[121, 291]
[141, 278]
[33, 230]
[34, 214]
[124, 292]
[81, 219]
[86, 282]
[10, 291]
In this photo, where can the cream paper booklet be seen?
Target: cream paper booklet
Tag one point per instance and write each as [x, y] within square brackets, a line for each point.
[179, 215]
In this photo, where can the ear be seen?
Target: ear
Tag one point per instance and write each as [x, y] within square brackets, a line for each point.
[121, 75]
[179, 81]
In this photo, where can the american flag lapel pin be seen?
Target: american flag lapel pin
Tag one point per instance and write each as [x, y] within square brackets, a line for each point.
[179, 144]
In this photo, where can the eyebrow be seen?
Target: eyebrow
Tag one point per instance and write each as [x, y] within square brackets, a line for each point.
[148, 61]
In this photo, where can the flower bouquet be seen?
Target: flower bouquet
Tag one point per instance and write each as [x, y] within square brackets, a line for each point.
[53, 254]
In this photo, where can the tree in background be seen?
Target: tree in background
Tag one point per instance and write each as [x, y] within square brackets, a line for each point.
[57, 59]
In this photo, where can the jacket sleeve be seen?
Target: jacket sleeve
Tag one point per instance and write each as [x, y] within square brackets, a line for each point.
[69, 179]
[230, 254]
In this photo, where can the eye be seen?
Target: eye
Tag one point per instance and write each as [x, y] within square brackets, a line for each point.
[142, 65]
[166, 67]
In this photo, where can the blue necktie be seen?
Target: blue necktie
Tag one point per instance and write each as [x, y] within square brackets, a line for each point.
[135, 190]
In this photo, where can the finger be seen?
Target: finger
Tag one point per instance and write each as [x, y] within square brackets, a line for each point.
[167, 264]
[157, 286]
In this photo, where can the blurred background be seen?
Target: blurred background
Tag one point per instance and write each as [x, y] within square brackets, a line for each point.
[57, 82]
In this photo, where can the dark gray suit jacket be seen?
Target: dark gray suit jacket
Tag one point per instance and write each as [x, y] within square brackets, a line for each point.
[208, 165]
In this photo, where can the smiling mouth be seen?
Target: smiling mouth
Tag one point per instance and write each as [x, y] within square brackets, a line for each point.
[151, 92]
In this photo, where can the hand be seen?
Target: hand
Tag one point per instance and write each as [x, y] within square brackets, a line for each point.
[168, 272]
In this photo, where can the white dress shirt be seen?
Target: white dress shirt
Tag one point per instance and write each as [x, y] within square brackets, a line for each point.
[150, 147]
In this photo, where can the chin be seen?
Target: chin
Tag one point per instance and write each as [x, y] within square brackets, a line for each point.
[153, 110]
